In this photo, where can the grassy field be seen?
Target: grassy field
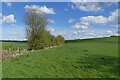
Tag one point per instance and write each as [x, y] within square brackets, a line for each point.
[20, 45]
[92, 58]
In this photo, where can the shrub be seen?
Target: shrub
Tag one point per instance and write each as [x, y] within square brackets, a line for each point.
[60, 39]
[57, 41]
[53, 43]
[10, 48]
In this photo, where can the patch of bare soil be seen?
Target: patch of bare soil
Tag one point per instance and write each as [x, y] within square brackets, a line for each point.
[7, 55]
[51, 47]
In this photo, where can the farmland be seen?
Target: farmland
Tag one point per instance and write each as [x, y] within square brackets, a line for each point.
[90, 58]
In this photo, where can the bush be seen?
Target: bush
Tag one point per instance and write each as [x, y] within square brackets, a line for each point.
[10, 48]
[60, 40]
[57, 41]
[53, 43]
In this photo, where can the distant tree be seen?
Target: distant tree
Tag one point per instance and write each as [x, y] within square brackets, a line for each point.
[57, 42]
[60, 39]
[36, 29]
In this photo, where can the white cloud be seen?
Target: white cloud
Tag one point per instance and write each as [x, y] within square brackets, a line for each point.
[39, 9]
[85, 23]
[78, 32]
[108, 4]
[111, 20]
[73, 7]
[112, 33]
[81, 31]
[14, 0]
[79, 26]
[86, 33]
[82, 34]
[51, 21]
[85, 6]
[8, 4]
[51, 30]
[95, 20]
[8, 19]
[14, 25]
[60, 1]
[0, 14]
[91, 34]
[0, 21]
[117, 25]
[116, 34]
[13, 33]
[95, 0]
[75, 33]
[66, 9]
[71, 20]
[91, 5]
[109, 32]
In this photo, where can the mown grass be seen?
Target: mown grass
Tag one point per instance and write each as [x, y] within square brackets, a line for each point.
[94, 58]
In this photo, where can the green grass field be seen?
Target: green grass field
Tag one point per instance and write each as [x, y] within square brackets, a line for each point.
[20, 45]
[92, 58]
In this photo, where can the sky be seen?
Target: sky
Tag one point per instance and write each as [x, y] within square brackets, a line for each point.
[72, 20]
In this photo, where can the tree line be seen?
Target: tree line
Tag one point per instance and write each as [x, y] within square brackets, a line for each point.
[37, 35]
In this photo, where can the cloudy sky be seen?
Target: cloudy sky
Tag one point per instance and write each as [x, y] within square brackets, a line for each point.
[72, 20]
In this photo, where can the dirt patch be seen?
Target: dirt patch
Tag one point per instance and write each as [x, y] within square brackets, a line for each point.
[7, 55]
[51, 47]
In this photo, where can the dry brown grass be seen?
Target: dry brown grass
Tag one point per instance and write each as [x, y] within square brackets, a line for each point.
[7, 55]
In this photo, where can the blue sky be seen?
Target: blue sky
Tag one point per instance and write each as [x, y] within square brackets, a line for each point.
[70, 19]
